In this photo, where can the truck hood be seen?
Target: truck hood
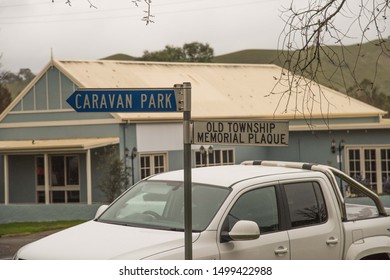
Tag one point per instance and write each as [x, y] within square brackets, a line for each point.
[100, 241]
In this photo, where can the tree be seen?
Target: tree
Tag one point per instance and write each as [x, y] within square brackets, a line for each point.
[310, 34]
[198, 52]
[115, 176]
[190, 52]
[16, 82]
[5, 98]
[25, 75]
[366, 92]
[5, 95]
[170, 53]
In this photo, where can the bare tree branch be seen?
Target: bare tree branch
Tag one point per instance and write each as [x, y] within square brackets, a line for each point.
[148, 18]
[308, 41]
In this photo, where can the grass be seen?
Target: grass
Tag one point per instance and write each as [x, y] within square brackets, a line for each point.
[34, 227]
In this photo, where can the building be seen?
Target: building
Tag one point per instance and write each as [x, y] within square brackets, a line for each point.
[50, 154]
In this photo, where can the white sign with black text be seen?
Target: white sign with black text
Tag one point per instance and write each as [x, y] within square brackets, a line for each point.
[241, 132]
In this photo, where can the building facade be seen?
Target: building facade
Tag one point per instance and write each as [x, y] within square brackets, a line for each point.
[51, 154]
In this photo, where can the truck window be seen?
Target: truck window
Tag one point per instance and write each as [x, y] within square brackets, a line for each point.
[306, 204]
[259, 206]
[359, 205]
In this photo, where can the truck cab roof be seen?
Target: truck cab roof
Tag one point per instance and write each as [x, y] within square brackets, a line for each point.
[227, 175]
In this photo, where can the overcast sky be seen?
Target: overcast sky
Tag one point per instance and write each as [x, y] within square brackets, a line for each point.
[30, 29]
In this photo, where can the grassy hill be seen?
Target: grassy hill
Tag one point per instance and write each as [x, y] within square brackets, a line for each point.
[357, 62]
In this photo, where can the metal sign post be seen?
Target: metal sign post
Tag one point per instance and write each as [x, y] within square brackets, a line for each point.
[187, 137]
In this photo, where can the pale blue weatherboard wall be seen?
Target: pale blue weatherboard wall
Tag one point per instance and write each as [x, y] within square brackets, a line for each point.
[43, 103]
[48, 93]
[315, 146]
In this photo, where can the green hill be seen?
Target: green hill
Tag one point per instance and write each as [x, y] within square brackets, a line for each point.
[250, 56]
[358, 62]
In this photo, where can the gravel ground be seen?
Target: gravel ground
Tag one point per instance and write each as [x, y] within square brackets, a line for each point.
[9, 245]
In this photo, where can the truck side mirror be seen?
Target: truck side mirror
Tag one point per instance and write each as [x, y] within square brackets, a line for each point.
[242, 231]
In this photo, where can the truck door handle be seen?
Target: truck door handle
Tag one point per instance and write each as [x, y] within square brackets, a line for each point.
[332, 241]
[281, 250]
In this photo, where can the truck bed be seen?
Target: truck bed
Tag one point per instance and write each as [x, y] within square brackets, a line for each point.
[359, 211]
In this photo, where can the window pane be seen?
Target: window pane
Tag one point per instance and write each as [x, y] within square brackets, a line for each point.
[231, 161]
[160, 205]
[211, 158]
[73, 196]
[370, 179]
[57, 171]
[72, 170]
[304, 205]
[198, 158]
[41, 196]
[259, 206]
[40, 165]
[145, 166]
[354, 163]
[385, 163]
[58, 197]
[159, 164]
[217, 155]
[225, 157]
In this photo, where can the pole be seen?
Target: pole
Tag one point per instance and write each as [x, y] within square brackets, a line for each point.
[187, 172]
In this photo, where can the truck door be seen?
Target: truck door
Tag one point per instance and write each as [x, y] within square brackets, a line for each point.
[258, 205]
[315, 229]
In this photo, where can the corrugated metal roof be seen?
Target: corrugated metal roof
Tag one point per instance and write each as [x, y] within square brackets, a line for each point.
[218, 90]
[382, 124]
[74, 144]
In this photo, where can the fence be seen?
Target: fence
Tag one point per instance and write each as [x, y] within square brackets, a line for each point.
[43, 213]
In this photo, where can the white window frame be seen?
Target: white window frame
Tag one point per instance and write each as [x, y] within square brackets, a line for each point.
[378, 162]
[66, 187]
[211, 155]
[152, 167]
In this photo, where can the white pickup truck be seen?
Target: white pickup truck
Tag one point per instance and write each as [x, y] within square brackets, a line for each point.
[257, 210]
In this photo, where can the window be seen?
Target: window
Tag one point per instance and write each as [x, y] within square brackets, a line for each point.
[306, 204]
[57, 176]
[159, 205]
[354, 163]
[385, 166]
[259, 206]
[214, 157]
[370, 166]
[40, 171]
[153, 164]
[64, 186]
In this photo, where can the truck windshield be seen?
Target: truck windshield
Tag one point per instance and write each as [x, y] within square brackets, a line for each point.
[160, 205]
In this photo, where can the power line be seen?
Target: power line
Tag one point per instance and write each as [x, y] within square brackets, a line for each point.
[176, 11]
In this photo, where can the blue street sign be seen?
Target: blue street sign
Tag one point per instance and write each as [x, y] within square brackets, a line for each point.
[126, 100]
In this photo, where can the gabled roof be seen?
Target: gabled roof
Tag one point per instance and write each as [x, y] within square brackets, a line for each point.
[218, 90]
